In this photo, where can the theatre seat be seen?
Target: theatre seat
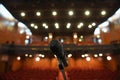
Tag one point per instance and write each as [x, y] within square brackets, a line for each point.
[30, 75]
[92, 75]
[51, 74]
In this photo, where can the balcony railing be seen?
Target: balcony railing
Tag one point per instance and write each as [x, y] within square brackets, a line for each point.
[16, 49]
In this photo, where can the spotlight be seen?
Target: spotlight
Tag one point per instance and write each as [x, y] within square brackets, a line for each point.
[37, 59]
[88, 59]
[109, 58]
[18, 58]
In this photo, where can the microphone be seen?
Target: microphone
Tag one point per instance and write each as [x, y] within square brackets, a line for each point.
[57, 49]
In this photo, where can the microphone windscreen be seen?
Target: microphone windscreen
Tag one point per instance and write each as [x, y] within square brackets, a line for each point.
[56, 48]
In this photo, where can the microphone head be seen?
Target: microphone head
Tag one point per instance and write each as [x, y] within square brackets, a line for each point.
[56, 48]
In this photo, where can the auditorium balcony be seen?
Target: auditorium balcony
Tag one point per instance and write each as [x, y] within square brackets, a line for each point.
[88, 33]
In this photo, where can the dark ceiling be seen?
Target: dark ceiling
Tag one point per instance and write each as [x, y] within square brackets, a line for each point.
[62, 7]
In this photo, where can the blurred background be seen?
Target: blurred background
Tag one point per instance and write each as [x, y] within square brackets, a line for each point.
[88, 30]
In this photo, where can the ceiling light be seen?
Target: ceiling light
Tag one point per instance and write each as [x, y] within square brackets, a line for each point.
[46, 38]
[69, 55]
[98, 36]
[68, 25]
[36, 27]
[86, 55]
[75, 36]
[82, 55]
[46, 27]
[70, 13]
[40, 55]
[27, 37]
[100, 54]
[80, 40]
[30, 55]
[26, 55]
[87, 13]
[38, 13]
[95, 55]
[22, 14]
[18, 58]
[80, 25]
[81, 36]
[56, 25]
[93, 24]
[43, 56]
[54, 13]
[32, 24]
[109, 58]
[44, 24]
[89, 26]
[50, 36]
[55, 56]
[103, 12]
[88, 59]
[62, 40]
[37, 59]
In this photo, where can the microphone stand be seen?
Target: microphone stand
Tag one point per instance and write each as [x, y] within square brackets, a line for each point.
[61, 67]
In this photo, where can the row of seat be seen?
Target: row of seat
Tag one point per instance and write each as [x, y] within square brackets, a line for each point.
[73, 74]
[78, 74]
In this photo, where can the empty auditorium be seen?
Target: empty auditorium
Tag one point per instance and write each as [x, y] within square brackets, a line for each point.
[59, 40]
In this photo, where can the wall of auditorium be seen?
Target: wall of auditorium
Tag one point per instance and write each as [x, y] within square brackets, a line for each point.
[16, 65]
[113, 35]
[2, 65]
[9, 35]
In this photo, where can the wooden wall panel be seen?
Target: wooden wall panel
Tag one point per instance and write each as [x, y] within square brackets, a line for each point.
[112, 35]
